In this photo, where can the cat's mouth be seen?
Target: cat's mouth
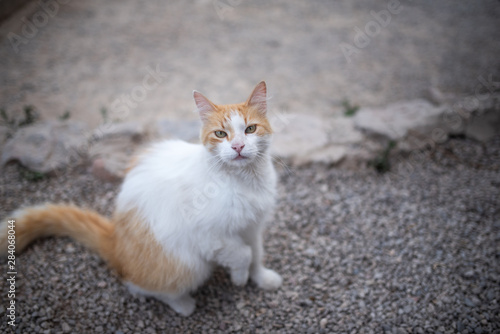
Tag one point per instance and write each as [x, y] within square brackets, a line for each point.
[239, 157]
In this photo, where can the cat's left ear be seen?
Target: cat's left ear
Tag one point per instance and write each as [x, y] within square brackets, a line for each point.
[258, 98]
[205, 107]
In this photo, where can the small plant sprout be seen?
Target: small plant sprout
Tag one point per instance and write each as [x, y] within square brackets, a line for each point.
[349, 109]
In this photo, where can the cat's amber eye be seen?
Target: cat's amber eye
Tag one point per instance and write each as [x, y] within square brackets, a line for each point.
[220, 134]
[251, 129]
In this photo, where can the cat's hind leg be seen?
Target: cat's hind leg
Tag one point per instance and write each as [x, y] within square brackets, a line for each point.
[181, 303]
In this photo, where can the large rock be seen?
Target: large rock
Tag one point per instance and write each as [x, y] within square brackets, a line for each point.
[112, 147]
[46, 146]
[342, 131]
[483, 127]
[331, 154]
[308, 138]
[133, 130]
[396, 120]
[297, 135]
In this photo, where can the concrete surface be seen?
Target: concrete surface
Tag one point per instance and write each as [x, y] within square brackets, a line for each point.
[92, 54]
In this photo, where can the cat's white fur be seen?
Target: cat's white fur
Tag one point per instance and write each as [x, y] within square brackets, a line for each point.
[206, 208]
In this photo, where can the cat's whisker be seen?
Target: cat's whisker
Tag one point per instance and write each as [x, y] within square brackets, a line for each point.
[285, 167]
[215, 163]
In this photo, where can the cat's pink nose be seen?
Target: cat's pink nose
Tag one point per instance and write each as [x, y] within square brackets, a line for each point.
[237, 147]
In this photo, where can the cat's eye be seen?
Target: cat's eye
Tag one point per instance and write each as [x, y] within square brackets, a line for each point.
[251, 129]
[220, 134]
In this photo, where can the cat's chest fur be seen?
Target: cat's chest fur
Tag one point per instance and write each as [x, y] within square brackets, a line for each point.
[177, 190]
[244, 199]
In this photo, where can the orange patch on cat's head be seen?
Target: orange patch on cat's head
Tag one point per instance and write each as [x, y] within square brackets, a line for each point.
[217, 117]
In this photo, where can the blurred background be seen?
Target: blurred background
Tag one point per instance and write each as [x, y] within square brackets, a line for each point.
[83, 56]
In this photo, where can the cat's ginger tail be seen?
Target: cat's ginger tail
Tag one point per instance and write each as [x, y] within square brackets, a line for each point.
[85, 226]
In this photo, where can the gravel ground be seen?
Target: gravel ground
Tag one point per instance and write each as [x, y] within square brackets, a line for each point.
[412, 251]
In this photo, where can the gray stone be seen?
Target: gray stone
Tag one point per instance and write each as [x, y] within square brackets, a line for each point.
[483, 127]
[309, 138]
[331, 154]
[297, 135]
[436, 96]
[134, 130]
[65, 327]
[469, 302]
[469, 274]
[110, 154]
[342, 130]
[46, 146]
[110, 167]
[396, 120]
[399, 331]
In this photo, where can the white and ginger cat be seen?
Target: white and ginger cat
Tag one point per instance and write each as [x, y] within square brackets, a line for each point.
[182, 209]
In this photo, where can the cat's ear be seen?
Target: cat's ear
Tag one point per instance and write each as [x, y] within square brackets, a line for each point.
[205, 107]
[258, 98]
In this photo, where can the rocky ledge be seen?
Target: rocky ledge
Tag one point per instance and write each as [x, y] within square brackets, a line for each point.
[401, 128]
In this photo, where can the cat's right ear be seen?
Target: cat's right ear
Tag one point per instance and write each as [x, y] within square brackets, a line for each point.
[205, 107]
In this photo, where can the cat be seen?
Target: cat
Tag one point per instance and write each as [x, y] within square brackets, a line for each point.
[182, 209]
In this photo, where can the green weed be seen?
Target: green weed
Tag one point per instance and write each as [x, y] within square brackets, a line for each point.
[65, 116]
[349, 109]
[381, 163]
[29, 116]
[30, 175]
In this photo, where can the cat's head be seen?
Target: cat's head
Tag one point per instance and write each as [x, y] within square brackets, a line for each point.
[237, 134]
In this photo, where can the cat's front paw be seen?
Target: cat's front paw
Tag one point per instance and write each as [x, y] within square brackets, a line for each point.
[239, 277]
[267, 279]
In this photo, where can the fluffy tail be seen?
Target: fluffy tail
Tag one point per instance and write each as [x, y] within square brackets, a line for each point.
[87, 227]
